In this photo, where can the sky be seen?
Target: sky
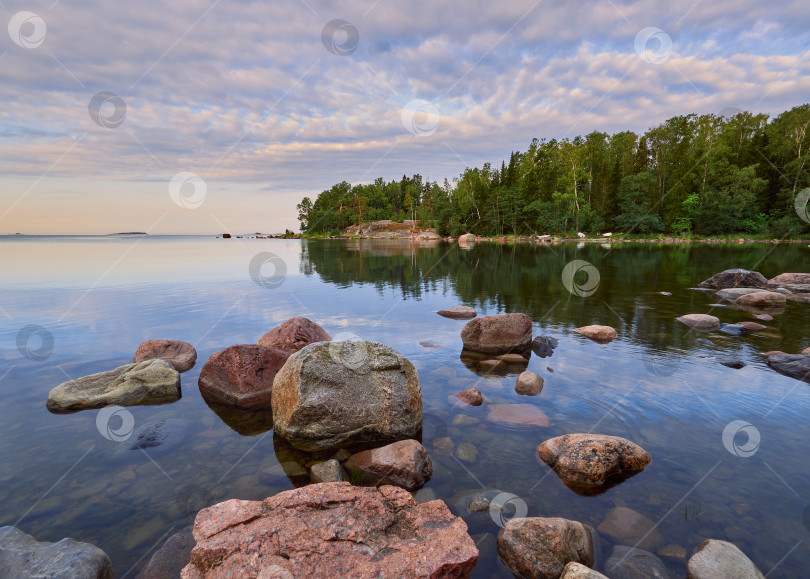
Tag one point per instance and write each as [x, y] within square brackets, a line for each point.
[213, 116]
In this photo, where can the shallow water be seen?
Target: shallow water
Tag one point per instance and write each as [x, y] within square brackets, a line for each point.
[658, 384]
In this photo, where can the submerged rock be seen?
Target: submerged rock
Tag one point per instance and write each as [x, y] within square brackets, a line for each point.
[540, 548]
[721, 560]
[498, 334]
[458, 313]
[591, 463]
[732, 363]
[405, 463]
[700, 321]
[751, 326]
[624, 525]
[241, 376]
[630, 563]
[733, 293]
[147, 382]
[517, 416]
[471, 397]
[168, 433]
[181, 355]
[600, 334]
[793, 365]
[169, 560]
[333, 394]
[735, 278]
[304, 533]
[580, 571]
[23, 557]
[293, 335]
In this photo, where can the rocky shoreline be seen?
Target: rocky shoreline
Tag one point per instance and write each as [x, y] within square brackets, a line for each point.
[353, 409]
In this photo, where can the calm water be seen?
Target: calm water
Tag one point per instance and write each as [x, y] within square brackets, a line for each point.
[659, 384]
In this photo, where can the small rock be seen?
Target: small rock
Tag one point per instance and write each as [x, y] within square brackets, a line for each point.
[147, 382]
[735, 278]
[540, 548]
[467, 452]
[471, 397]
[458, 313]
[499, 334]
[732, 329]
[513, 359]
[600, 334]
[624, 525]
[181, 355]
[762, 300]
[443, 445]
[168, 432]
[464, 420]
[341, 455]
[517, 416]
[580, 571]
[241, 376]
[543, 346]
[764, 317]
[700, 321]
[529, 384]
[629, 563]
[405, 463]
[23, 557]
[293, 335]
[715, 559]
[327, 471]
[774, 353]
[732, 363]
[665, 293]
[806, 352]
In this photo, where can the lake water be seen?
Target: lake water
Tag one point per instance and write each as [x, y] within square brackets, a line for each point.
[658, 384]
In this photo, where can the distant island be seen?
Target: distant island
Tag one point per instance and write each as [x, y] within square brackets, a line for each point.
[130, 233]
[740, 174]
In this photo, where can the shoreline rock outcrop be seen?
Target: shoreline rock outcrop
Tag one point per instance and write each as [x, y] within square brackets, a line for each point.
[331, 530]
[23, 556]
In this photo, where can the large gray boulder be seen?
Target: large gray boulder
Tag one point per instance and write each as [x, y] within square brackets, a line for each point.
[23, 557]
[333, 394]
[540, 548]
[721, 560]
[498, 334]
[147, 382]
[735, 278]
[793, 365]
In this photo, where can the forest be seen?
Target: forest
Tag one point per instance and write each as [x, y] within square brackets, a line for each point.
[693, 175]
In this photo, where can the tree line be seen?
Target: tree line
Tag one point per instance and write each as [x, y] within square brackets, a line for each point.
[691, 175]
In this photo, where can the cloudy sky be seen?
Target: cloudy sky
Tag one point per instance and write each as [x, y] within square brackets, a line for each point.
[206, 116]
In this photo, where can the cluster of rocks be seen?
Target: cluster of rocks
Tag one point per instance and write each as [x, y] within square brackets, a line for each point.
[752, 292]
